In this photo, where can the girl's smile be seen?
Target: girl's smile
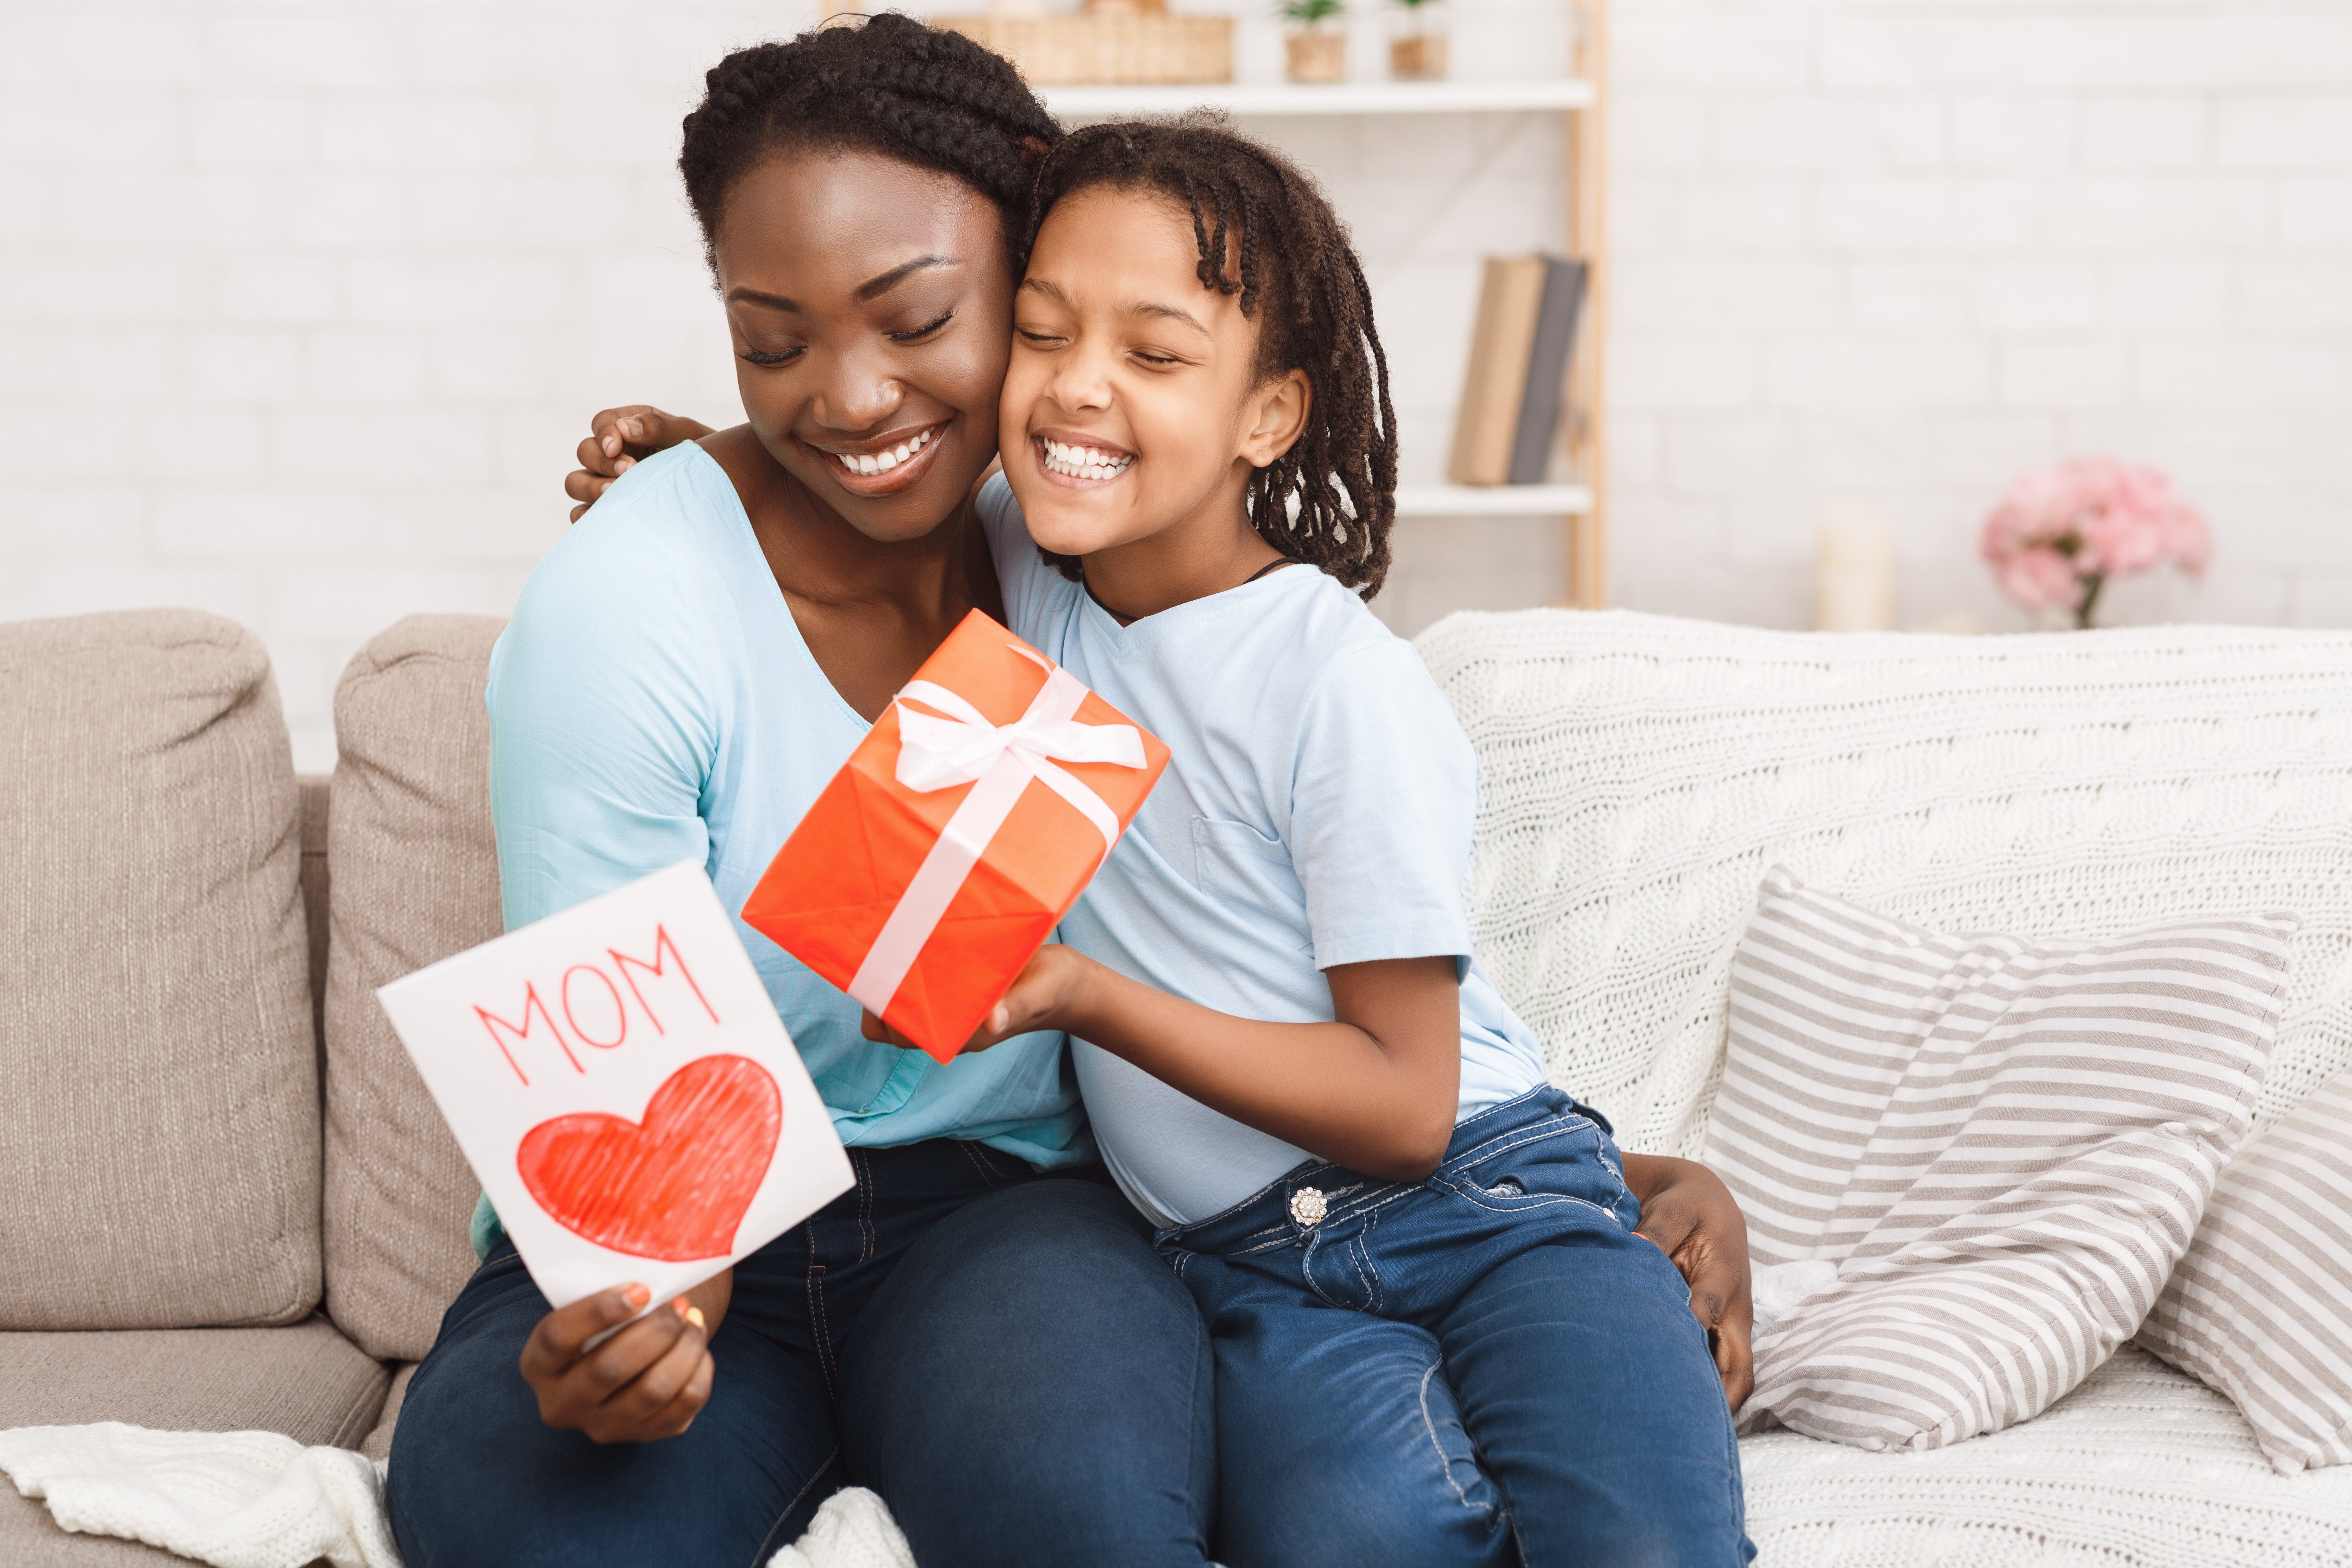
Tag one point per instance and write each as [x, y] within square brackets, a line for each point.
[1074, 460]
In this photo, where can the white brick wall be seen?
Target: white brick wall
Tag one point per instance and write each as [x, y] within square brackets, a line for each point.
[1888, 253]
[302, 306]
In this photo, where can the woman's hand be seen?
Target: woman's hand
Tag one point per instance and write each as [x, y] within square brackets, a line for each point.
[1694, 1219]
[646, 1382]
[617, 437]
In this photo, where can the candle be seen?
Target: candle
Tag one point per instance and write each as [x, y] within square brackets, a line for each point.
[1853, 574]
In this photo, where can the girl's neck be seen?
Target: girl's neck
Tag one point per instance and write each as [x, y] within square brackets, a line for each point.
[1209, 551]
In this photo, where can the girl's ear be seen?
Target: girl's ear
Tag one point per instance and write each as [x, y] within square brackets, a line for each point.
[1277, 415]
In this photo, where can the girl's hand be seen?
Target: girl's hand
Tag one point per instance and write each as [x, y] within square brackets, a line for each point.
[648, 1381]
[1694, 1219]
[617, 437]
[1037, 999]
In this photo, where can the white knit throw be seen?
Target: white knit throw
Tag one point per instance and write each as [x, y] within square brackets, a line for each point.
[1641, 774]
[260, 1500]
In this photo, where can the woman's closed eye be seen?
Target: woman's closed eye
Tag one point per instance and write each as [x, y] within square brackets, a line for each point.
[916, 334]
[775, 356]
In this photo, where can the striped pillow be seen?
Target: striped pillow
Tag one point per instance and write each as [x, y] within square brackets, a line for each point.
[2262, 1306]
[2003, 1146]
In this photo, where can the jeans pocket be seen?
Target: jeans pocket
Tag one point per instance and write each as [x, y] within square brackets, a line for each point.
[1562, 1160]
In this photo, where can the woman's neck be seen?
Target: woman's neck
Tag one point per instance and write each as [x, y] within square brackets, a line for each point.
[870, 610]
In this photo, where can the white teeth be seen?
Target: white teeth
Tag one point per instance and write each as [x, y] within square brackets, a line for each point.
[1084, 462]
[883, 462]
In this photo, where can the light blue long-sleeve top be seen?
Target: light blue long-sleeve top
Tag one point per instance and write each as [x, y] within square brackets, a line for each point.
[652, 702]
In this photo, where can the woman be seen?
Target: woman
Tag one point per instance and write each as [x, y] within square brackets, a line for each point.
[996, 1349]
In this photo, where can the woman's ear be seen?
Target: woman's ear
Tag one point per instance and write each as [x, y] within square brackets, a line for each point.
[1277, 415]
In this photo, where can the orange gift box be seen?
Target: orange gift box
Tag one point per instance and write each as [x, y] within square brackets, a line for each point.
[956, 835]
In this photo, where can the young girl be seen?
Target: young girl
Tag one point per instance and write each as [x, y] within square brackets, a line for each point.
[1438, 1339]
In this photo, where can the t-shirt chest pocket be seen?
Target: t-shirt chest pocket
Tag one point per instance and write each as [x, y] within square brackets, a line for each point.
[1252, 875]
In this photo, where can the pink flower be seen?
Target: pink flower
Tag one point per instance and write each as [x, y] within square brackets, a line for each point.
[2041, 580]
[2056, 531]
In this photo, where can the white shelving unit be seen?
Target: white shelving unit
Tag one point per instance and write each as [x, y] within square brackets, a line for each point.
[1580, 96]
[1494, 500]
[1339, 97]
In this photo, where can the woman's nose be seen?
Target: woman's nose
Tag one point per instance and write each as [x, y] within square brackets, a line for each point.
[858, 395]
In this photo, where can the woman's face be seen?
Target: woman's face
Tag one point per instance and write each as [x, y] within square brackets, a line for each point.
[870, 303]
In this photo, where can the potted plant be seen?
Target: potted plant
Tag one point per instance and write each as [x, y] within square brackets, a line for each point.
[2060, 533]
[1316, 46]
[1417, 40]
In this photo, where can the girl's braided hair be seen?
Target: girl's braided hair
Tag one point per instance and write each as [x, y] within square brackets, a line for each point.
[1330, 501]
[892, 86]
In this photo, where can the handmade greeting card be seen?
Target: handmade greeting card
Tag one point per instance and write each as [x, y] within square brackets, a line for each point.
[956, 835]
[620, 1081]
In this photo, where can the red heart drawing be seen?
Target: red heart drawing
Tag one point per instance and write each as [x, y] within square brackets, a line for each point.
[673, 1186]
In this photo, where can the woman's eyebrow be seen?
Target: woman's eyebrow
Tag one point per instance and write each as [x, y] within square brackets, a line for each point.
[874, 287]
[761, 296]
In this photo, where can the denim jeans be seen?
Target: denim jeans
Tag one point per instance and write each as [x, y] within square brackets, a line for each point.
[1487, 1367]
[1000, 1355]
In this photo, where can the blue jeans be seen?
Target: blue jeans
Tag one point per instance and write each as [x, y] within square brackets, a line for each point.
[1488, 1367]
[1000, 1355]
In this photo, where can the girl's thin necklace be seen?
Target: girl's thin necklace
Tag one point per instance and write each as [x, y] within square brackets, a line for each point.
[1278, 561]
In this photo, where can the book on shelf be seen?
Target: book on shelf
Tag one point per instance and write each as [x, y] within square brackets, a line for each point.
[1512, 393]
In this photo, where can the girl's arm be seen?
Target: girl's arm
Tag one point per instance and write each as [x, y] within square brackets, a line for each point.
[1374, 1090]
[617, 437]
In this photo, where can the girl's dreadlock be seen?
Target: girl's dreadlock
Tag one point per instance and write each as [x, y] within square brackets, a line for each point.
[893, 86]
[1330, 501]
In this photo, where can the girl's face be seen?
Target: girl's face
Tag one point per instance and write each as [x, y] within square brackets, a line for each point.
[1132, 402]
[869, 302]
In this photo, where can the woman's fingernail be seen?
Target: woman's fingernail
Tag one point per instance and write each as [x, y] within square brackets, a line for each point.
[694, 1316]
[624, 465]
[638, 1295]
[682, 1306]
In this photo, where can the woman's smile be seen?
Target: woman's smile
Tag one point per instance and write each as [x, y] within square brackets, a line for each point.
[882, 465]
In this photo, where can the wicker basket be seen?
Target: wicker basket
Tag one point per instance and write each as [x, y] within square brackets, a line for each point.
[1068, 50]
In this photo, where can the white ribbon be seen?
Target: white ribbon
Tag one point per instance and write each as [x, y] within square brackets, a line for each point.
[998, 761]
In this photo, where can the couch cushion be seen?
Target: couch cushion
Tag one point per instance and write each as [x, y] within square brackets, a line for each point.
[2139, 1467]
[1640, 774]
[159, 1122]
[2002, 1147]
[2261, 1308]
[305, 1381]
[416, 879]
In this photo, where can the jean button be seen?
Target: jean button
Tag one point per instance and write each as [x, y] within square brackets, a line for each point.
[1308, 1207]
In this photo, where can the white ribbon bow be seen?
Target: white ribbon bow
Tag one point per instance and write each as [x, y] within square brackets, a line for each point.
[998, 761]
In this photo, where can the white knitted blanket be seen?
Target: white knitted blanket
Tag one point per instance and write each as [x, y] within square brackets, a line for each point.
[260, 1500]
[1641, 774]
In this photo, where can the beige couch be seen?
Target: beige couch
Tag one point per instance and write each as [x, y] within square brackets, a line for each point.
[229, 1203]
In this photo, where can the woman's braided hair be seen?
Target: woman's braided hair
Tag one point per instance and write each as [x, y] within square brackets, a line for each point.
[892, 86]
[1330, 501]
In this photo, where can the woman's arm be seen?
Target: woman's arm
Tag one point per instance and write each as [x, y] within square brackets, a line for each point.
[617, 437]
[1692, 1216]
[601, 730]
[1374, 1090]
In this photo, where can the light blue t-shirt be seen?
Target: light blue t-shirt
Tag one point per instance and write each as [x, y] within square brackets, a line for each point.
[1317, 809]
[652, 702]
